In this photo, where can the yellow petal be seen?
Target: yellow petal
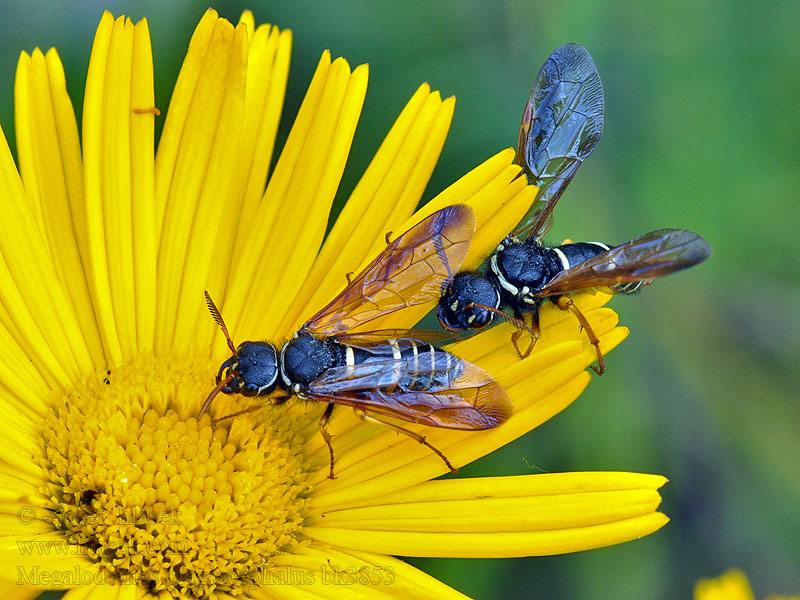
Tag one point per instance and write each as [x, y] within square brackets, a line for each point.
[44, 561]
[491, 545]
[254, 228]
[142, 179]
[267, 73]
[298, 199]
[530, 515]
[21, 434]
[50, 164]
[108, 55]
[517, 486]
[498, 196]
[10, 525]
[521, 509]
[183, 95]
[18, 463]
[35, 307]
[25, 386]
[248, 19]
[118, 179]
[333, 573]
[387, 194]
[21, 492]
[200, 142]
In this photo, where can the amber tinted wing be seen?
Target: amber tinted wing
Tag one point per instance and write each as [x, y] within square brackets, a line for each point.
[423, 336]
[647, 257]
[410, 271]
[561, 127]
[431, 387]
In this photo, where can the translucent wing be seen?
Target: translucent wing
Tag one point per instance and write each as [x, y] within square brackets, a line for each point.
[431, 387]
[652, 255]
[561, 126]
[410, 271]
[423, 336]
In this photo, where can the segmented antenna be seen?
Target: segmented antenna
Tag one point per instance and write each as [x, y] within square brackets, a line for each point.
[218, 319]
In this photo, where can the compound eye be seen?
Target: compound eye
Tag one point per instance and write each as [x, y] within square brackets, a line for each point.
[477, 317]
[449, 319]
[232, 387]
[249, 389]
[482, 318]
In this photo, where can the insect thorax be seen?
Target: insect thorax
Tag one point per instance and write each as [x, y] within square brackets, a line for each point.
[522, 267]
[305, 357]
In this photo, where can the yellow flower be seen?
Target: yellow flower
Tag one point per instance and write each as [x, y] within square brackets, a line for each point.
[106, 351]
[732, 585]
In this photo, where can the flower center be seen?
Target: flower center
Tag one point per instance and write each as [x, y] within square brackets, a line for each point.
[159, 498]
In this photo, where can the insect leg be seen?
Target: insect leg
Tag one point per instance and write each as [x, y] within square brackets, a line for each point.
[362, 414]
[280, 400]
[566, 303]
[323, 429]
[533, 330]
[255, 407]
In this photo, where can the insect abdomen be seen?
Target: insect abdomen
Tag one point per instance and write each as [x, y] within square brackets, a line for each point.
[574, 254]
[412, 366]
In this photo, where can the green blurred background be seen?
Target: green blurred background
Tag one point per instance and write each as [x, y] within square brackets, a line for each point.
[701, 133]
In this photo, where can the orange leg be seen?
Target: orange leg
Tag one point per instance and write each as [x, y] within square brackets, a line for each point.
[362, 414]
[323, 429]
[566, 303]
[533, 330]
[254, 408]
